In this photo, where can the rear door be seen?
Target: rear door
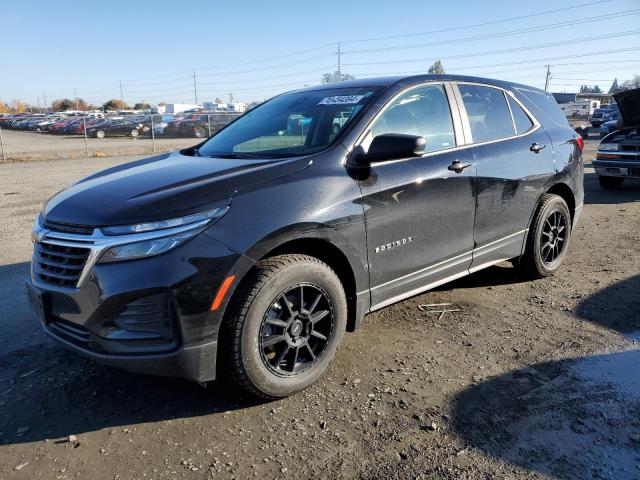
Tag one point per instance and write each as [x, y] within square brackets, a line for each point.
[514, 159]
[419, 213]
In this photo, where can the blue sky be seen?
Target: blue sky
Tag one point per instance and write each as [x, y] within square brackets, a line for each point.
[257, 49]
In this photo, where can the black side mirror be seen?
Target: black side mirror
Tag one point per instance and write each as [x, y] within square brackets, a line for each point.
[392, 146]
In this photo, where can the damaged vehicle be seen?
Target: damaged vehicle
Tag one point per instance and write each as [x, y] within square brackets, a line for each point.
[618, 156]
[251, 254]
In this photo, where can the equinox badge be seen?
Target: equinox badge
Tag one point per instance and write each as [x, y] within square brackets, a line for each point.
[395, 244]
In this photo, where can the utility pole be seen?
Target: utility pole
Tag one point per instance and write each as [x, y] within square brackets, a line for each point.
[339, 63]
[75, 95]
[231, 98]
[121, 97]
[195, 88]
[546, 81]
[44, 94]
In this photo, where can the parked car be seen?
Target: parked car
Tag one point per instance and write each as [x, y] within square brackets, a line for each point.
[199, 125]
[251, 254]
[601, 115]
[610, 125]
[114, 128]
[618, 155]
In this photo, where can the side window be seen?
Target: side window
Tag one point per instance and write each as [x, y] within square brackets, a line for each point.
[520, 118]
[422, 111]
[488, 112]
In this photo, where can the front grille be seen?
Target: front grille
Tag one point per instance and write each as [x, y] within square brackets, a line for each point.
[59, 265]
[73, 333]
[68, 228]
[630, 148]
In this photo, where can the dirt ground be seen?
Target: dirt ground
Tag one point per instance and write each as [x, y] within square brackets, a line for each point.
[529, 380]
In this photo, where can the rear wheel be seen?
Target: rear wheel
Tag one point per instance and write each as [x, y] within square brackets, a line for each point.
[200, 132]
[285, 326]
[610, 183]
[100, 134]
[548, 238]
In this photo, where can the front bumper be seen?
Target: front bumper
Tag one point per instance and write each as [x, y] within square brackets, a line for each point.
[617, 168]
[150, 315]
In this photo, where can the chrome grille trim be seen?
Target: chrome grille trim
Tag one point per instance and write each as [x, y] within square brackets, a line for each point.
[95, 245]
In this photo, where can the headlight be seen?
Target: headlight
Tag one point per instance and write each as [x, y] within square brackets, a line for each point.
[147, 248]
[609, 147]
[209, 216]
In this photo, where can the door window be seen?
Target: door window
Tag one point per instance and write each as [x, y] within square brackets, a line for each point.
[520, 118]
[487, 111]
[422, 111]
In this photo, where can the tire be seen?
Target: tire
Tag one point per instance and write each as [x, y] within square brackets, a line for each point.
[610, 183]
[134, 133]
[258, 314]
[540, 260]
[200, 132]
[100, 134]
[146, 129]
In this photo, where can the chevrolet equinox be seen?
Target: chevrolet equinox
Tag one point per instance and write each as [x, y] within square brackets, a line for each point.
[252, 253]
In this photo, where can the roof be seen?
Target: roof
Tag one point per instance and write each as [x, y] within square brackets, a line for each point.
[416, 79]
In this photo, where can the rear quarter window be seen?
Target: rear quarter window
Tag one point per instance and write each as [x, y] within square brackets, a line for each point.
[545, 103]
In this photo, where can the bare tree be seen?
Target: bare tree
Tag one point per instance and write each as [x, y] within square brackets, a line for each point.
[436, 68]
[336, 77]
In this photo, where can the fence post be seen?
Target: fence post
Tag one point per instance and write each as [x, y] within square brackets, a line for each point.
[153, 136]
[209, 124]
[4, 158]
[86, 142]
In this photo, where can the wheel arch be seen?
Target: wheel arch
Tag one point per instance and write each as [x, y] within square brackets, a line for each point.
[564, 191]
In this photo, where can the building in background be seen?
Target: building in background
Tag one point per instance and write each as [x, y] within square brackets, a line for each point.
[180, 107]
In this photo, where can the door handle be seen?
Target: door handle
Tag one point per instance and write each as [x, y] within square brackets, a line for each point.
[536, 147]
[457, 166]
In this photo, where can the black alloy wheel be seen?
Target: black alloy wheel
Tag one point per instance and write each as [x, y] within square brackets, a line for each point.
[296, 329]
[554, 235]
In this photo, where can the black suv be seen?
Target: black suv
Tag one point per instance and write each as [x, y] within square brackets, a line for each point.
[252, 253]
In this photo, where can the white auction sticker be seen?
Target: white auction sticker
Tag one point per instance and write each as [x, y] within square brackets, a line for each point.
[341, 100]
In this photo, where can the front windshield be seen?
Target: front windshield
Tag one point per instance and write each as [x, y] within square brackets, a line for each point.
[292, 124]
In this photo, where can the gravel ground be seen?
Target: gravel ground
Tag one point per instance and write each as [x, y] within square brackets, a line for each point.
[528, 380]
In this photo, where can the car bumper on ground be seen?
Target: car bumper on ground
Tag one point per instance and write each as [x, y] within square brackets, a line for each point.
[151, 315]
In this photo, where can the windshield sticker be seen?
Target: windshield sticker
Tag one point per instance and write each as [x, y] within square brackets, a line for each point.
[341, 100]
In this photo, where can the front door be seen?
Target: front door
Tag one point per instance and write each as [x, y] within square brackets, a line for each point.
[419, 212]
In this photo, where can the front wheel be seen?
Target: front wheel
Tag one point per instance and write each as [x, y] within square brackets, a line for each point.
[134, 133]
[548, 238]
[610, 183]
[200, 132]
[284, 326]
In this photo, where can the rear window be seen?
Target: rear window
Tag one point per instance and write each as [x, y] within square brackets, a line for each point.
[488, 113]
[520, 118]
[545, 103]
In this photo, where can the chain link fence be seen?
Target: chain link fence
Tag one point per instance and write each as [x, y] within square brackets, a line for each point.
[48, 136]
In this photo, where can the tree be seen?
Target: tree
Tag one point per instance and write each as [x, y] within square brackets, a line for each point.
[142, 106]
[614, 86]
[115, 104]
[588, 89]
[4, 108]
[62, 104]
[18, 106]
[336, 77]
[631, 84]
[436, 68]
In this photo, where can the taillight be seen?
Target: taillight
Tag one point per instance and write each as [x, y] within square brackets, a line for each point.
[580, 142]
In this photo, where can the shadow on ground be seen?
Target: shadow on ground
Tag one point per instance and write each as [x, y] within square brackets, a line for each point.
[577, 418]
[595, 194]
[54, 392]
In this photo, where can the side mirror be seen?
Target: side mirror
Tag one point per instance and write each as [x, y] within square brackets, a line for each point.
[392, 146]
[619, 123]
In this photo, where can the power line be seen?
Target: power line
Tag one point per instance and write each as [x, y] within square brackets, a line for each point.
[506, 50]
[520, 31]
[484, 24]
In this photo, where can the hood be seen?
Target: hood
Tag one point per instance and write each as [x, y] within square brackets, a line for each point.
[629, 105]
[165, 186]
